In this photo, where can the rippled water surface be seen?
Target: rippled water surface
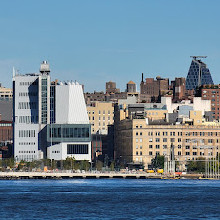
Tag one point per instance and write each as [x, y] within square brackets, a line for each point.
[109, 199]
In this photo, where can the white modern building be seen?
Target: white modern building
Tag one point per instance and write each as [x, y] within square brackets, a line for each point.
[70, 135]
[31, 102]
[198, 104]
[50, 121]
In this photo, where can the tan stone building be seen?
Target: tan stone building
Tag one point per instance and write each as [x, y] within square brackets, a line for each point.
[140, 137]
[101, 114]
[138, 142]
[5, 93]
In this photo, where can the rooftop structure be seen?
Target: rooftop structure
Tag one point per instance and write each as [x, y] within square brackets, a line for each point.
[198, 74]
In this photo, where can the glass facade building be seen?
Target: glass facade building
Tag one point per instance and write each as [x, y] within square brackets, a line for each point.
[198, 75]
[68, 132]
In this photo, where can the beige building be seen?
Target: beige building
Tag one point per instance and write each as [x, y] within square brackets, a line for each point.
[101, 114]
[153, 114]
[5, 93]
[138, 142]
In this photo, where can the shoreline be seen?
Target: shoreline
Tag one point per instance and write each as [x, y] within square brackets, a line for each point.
[89, 175]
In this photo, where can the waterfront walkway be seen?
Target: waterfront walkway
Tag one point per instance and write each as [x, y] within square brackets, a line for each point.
[85, 175]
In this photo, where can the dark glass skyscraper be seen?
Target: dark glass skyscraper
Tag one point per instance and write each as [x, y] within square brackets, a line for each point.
[198, 75]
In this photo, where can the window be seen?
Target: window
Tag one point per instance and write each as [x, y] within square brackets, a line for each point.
[150, 146]
[140, 140]
[179, 140]
[140, 133]
[77, 148]
[187, 147]
[172, 139]
[140, 152]
[136, 152]
[157, 139]
[187, 153]
[164, 139]
[210, 141]
[179, 146]
[164, 146]
[194, 153]
[157, 146]
[136, 133]
[179, 153]
[150, 153]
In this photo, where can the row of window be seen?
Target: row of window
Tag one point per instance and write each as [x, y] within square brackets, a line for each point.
[26, 152]
[28, 83]
[5, 124]
[28, 119]
[165, 133]
[77, 148]
[100, 112]
[26, 143]
[93, 118]
[179, 153]
[69, 132]
[179, 140]
[55, 152]
[202, 133]
[27, 105]
[27, 133]
[27, 157]
[27, 94]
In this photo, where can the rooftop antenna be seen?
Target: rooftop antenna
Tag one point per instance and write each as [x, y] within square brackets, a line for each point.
[13, 72]
[196, 57]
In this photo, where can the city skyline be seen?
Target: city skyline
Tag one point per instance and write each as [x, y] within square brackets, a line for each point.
[97, 42]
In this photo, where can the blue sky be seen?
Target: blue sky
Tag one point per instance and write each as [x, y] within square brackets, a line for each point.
[97, 41]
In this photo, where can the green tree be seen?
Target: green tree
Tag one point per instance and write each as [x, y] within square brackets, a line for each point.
[197, 166]
[84, 165]
[158, 162]
[99, 165]
[112, 166]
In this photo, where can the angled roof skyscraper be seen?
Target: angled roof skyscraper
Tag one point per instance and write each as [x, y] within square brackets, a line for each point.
[198, 74]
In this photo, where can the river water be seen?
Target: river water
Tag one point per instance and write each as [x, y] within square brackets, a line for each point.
[109, 199]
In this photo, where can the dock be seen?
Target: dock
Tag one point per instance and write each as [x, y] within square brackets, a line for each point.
[70, 175]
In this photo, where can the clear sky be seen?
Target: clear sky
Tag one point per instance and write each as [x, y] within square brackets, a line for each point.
[97, 41]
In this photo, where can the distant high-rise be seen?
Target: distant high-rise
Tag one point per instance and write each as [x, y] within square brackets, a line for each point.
[198, 74]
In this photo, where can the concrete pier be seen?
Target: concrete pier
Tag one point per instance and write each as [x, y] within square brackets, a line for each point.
[69, 175]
